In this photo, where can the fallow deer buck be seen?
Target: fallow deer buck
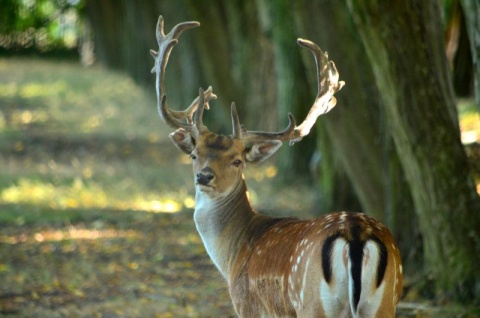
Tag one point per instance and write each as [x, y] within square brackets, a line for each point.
[339, 265]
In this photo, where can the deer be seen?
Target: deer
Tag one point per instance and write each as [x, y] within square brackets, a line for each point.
[343, 264]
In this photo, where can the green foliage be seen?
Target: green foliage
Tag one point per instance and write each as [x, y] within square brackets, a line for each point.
[42, 24]
[9, 15]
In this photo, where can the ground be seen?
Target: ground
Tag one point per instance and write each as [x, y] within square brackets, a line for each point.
[96, 204]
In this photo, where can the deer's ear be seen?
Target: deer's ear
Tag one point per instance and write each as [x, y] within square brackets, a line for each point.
[183, 140]
[261, 150]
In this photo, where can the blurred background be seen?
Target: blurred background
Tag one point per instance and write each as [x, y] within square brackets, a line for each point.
[96, 204]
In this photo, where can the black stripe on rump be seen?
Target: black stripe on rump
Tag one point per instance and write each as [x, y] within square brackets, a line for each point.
[382, 262]
[356, 257]
[327, 257]
[356, 254]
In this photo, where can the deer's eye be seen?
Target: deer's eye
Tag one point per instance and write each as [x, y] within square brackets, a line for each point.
[193, 157]
[237, 163]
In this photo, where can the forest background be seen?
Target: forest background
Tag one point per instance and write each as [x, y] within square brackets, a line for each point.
[85, 161]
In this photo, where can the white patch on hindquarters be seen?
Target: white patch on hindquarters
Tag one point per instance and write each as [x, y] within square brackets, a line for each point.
[335, 295]
[371, 296]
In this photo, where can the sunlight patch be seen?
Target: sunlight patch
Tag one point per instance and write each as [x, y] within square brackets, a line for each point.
[82, 195]
[267, 172]
[73, 233]
[24, 117]
[189, 202]
[157, 206]
[33, 90]
[92, 123]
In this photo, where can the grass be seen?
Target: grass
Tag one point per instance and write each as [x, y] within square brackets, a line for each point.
[96, 204]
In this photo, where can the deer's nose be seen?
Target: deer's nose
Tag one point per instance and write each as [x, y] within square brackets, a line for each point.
[205, 176]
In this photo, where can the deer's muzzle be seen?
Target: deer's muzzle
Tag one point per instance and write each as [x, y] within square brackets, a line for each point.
[205, 176]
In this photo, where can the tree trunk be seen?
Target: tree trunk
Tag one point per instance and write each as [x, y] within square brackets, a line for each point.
[356, 131]
[471, 9]
[404, 42]
[239, 71]
[124, 33]
[458, 49]
[292, 93]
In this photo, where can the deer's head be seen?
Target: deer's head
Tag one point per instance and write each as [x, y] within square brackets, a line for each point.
[218, 161]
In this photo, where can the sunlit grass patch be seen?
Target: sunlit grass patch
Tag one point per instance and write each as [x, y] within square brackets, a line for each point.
[27, 117]
[89, 195]
[71, 233]
[84, 161]
[32, 90]
[96, 203]
[469, 119]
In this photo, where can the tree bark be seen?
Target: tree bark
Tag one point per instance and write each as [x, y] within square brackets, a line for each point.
[292, 93]
[404, 42]
[356, 129]
[239, 71]
[404, 128]
[119, 42]
[458, 49]
[471, 9]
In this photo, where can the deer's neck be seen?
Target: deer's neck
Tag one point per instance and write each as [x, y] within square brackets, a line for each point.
[224, 225]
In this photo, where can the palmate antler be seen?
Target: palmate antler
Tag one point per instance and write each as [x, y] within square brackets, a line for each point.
[191, 118]
[328, 85]
[175, 119]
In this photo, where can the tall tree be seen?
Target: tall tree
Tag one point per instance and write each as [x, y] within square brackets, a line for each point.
[355, 132]
[292, 93]
[394, 134]
[404, 43]
[471, 9]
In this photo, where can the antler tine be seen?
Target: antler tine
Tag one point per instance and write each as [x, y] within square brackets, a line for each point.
[283, 135]
[198, 116]
[328, 85]
[240, 132]
[237, 127]
[175, 119]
